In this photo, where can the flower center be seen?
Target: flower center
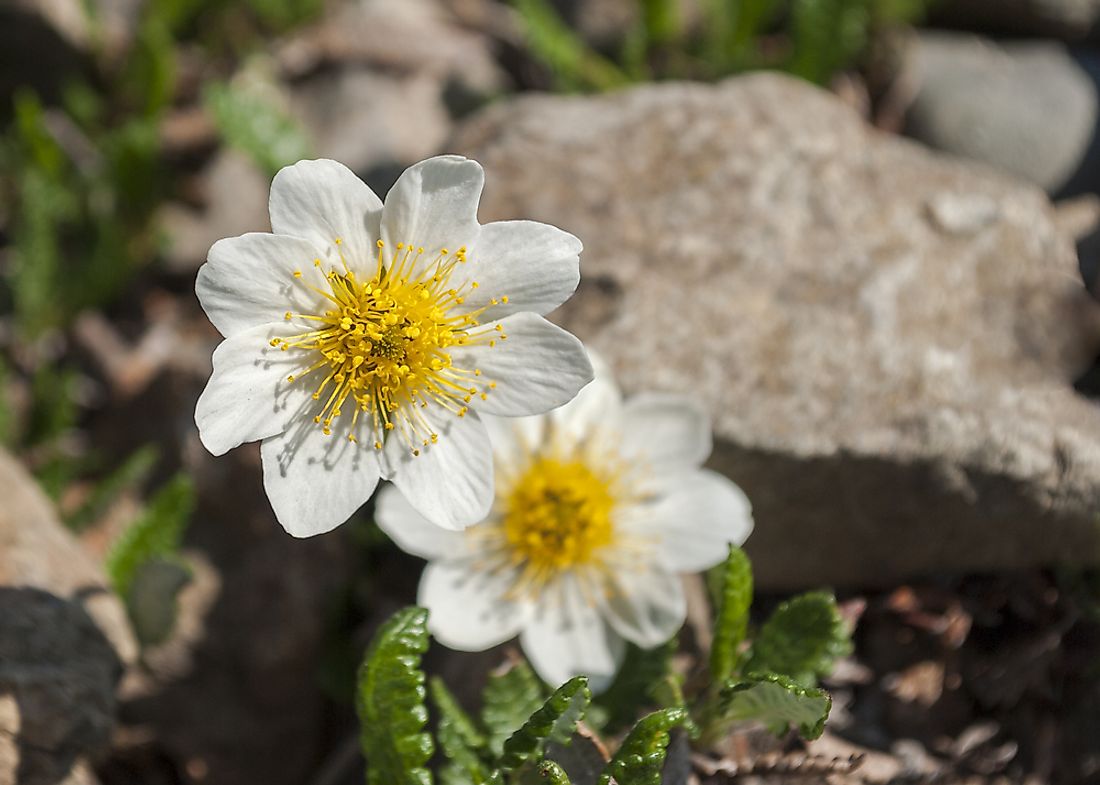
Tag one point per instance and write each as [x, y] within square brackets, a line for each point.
[558, 515]
[384, 346]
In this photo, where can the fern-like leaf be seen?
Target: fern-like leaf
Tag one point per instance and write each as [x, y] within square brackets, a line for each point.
[508, 700]
[732, 618]
[642, 753]
[545, 773]
[157, 534]
[802, 639]
[554, 721]
[390, 702]
[777, 702]
[459, 738]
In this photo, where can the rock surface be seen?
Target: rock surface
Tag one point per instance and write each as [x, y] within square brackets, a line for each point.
[36, 551]
[57, 680]
[1029, 108]
[886, 338]
[64, 639]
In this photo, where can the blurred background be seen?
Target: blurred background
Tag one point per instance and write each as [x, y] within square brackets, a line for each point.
[864, 231]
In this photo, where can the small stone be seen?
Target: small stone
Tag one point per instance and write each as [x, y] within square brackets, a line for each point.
[57, 675]
[1070, 20]
[962, 213]
[370, 121]
[235, 194]
[37, 551]
[1029, 108]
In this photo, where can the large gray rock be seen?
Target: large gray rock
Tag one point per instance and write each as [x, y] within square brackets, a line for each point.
[886, 338]
[1029, 108]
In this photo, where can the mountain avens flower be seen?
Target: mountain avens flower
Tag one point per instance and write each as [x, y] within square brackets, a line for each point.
[600, 506]
[364, 341]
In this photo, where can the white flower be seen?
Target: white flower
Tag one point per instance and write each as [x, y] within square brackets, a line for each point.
[599, 506]
[363, 340]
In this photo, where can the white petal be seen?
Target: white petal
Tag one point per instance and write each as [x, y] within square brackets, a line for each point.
[249, 281]
[696, 520]
[537, 368]
[567, 637]
[450, 482]
[514, 439]
[645, 606]
[323, 201]
[669, 432]
[248, 396]
[433, 205]
[536, 266]
[597, 409]
[467, 608]
[316, 482]
[412, 532]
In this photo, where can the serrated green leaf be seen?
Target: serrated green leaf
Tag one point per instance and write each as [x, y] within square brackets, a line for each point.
[639, 759]
[459, 739]
[777, 702]
[155, 535]
[546, 772]
[508, 700]
[554, 721]
[390, 702]
[251, 120]
[732, 618]
[802, 639]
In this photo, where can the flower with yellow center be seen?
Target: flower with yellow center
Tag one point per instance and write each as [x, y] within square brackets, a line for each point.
[600, 505]
[365, 340]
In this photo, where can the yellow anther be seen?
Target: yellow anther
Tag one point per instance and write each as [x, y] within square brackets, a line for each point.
[297, 273]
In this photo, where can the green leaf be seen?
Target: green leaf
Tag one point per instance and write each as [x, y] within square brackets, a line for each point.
[575, 65]
[732, 618]
[554, 721]
[641, 671]
[545, 773]
[662, 21]
[827, 35]
[802, 639]
[458, 737]
[639, 759]
[157, 534]
[777, 702]
[508, 700]
[250, 119]
[390, 702]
